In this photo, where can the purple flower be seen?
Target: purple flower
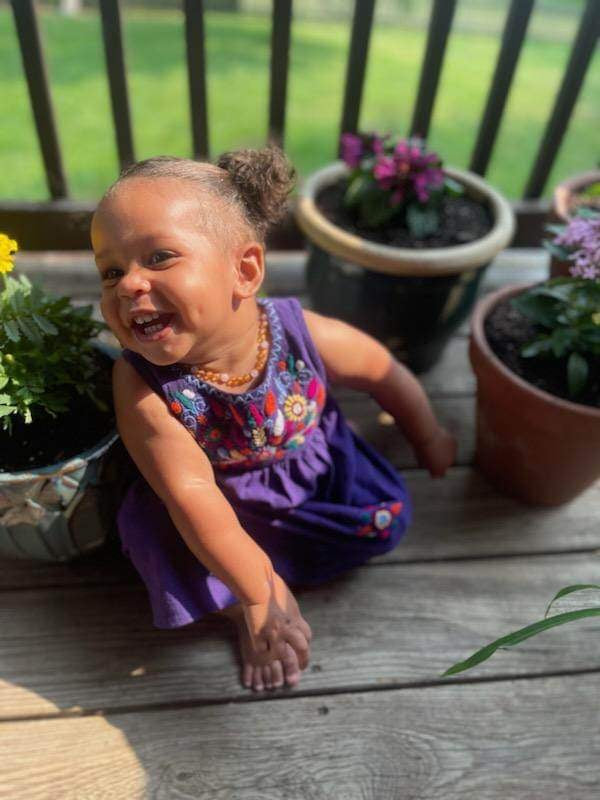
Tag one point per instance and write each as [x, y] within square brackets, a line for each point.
[402, 169]
[385, 172]
[421, 183]
[581, 238]
[352, 149]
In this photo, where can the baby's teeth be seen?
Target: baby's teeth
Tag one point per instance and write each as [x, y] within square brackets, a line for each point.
[153, 329]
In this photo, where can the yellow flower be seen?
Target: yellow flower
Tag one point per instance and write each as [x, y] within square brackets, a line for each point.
[294, 407]
[8, 247]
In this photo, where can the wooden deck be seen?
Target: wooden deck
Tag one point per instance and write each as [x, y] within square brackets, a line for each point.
[96, 703]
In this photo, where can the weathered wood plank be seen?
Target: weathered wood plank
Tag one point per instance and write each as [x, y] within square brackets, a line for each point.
[389, 625]
[462, 516]
[365, 417]
[534, 739]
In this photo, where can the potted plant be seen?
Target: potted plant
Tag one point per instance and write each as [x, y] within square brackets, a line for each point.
[56, 421]
[398, 244]
[578, 191]
[535, 353]
[572, 196]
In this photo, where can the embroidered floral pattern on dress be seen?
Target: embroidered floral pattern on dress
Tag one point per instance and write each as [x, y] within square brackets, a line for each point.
[255, 427]
[379, 521]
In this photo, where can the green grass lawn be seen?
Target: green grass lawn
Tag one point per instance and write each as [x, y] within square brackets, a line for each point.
[238, 82]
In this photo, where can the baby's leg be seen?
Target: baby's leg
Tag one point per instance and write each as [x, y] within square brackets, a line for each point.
[255, 675]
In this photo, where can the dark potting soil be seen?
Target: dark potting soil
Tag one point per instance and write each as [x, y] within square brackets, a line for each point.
[47, 440]
[507, 330]
[462, 220]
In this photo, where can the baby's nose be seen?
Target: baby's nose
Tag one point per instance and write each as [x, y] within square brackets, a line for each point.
[134, 282]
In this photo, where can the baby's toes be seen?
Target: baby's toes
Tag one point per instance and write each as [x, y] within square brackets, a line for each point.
[247, 674]
[290, 666]
[266, 670]
[257, 680]
[276, 674]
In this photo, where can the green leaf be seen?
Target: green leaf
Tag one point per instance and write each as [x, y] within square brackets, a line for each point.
[587, 213]
[6, 410]
[421, 222]
[15, 300]
[576, 587]
[357, 189]
[555, 229]
[45, 324]
[536, 347]
[593, 190]
[453, 187]
[577, 374]
[11, 330]
[519, 636]
[537, 307]
[28, 329]
[3, 381]
[375, 210]
[556, 250]
[561, 341]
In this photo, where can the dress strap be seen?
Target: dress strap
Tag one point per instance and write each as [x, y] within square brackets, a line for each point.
[292, 318]
[145, 370]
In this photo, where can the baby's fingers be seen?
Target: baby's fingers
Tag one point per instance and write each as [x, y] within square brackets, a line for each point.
[306, 630]
[298, 641]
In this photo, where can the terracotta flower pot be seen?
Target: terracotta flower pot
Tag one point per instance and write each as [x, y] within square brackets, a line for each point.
[563, 204]
[535, 446]
[410, 299]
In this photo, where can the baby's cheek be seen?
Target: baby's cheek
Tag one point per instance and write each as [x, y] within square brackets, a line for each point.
[109, 314]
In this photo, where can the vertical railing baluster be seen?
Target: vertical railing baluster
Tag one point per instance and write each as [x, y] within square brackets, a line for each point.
[581, 53]
[357, 64]
[512, 41]
[39, 94]
[196, 64]
[117, 81]
[440, 22]
[280, 48]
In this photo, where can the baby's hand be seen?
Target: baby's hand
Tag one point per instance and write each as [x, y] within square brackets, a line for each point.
[437, 453]
[276, 623]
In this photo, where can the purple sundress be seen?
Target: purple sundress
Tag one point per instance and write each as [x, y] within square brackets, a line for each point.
[316, 497]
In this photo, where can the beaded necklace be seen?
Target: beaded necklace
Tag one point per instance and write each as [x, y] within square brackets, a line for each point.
[224, 379]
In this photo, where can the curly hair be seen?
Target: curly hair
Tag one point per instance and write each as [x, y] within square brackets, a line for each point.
[256, 183]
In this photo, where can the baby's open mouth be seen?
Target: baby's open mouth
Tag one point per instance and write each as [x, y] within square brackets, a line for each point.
[150, 327]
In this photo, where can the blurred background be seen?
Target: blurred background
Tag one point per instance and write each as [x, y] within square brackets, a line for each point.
[237, 34]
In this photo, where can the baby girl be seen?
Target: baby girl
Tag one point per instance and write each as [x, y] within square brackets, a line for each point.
[251, 480]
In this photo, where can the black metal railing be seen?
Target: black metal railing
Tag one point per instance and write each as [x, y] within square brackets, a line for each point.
[62, 223]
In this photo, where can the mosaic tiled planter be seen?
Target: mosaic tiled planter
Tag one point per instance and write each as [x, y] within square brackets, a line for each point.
[55, 513]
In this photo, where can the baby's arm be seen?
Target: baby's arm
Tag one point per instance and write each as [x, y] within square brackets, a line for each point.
[356, 360]
[178, 470]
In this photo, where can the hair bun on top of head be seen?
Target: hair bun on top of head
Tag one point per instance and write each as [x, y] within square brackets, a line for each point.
[263, 179]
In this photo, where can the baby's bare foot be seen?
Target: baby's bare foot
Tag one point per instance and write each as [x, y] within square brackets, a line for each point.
[254, 674]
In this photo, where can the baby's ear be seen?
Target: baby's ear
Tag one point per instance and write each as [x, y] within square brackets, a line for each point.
[250, 270]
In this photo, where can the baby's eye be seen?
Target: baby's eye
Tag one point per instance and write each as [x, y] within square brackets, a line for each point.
[111, 274]
[158, 256]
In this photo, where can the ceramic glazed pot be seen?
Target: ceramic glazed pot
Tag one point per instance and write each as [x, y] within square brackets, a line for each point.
[410, 299]
[537, 447]
[562, 205]
[55, 513]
